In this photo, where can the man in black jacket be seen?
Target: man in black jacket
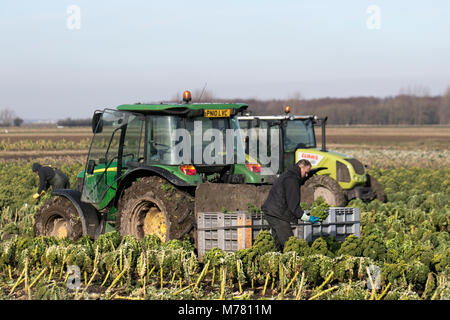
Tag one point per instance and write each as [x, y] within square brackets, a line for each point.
[49, 177]
[282, 205]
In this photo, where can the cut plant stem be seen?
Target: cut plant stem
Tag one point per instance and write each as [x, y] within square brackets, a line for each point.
[90, 281]
[182, 289]
[17, 282]
[117, 279]
[204, 271]
[265, 284]
[301, 287]
[290, 282]
[106, 278]
[37, 278]
[326, 281]
[384, 292]
[323, 292]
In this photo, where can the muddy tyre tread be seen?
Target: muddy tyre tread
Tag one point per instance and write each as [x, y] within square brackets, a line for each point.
[62, 207]
[177, 205]
[307, 190]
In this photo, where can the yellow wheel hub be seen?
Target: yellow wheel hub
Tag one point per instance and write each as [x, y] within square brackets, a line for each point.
[60, 229]
[155, 223]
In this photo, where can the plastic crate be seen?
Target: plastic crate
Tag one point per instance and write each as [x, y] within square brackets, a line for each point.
[228, 231]
[238, 230]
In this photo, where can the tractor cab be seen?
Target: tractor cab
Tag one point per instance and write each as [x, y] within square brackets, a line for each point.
[187, 143]
[342, 177]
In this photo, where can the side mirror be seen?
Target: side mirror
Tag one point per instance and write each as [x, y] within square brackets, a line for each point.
[97, 122]
[90, 167]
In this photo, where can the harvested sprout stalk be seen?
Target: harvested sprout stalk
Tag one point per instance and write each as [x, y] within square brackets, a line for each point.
[90, 281]
[222, 284]
[150, 273]
[384, 292]
[117, 279]
[238, 273]
[301, 287]
[265, 284]
[106, 278]
[326, 281]
[37, 278]
[182, 289]
[17, 282]
[66, 277]
[173, 278]
[290, 282]
[50, 274]
[204, 271]
[323, 292]
[9, 272]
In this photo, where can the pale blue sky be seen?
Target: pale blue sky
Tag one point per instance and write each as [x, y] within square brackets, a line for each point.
[131, 51]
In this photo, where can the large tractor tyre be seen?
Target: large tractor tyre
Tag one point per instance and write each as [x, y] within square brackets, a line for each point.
[377, 188]
[325, 187]
[58, 218]
[151, 205]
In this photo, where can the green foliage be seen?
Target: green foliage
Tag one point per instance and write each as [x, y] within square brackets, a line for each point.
[351, 246]
[407, 238]
[264, 243]
[319, 209]
[299, 246]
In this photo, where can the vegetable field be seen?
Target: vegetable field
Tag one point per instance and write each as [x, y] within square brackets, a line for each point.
[404, 246]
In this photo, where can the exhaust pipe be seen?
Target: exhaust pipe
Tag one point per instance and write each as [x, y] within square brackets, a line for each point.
[324, 148]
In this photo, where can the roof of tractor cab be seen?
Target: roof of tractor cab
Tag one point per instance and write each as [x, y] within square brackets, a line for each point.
[192, 106]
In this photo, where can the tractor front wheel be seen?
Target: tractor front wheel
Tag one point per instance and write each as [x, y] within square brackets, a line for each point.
[325, 187]
[58, 218]
[151, 205]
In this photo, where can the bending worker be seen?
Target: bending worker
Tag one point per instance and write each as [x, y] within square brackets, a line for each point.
[49, 177]
[282, 205]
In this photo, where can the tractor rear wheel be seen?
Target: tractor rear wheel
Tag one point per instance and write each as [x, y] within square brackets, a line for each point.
[325, 187]
[58, 218]
[151, 205]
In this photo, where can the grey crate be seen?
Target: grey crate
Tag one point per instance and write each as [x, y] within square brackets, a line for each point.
[238, 230]
[227, 231]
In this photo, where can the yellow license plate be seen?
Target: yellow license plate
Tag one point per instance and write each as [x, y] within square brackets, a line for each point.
[216, 113]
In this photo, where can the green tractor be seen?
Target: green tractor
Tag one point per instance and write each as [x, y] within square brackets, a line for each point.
[148, 172]
[340, 177]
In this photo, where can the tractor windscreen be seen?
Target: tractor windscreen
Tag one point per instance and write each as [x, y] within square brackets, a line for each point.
[174, 140]
[299, 134]
[114, 128]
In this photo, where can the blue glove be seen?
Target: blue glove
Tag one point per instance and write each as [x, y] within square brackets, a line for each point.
[313, 219]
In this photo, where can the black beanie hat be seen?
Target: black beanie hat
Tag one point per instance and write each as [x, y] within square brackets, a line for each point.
[36, 167]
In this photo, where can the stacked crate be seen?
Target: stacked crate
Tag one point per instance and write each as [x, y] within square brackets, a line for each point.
[238, 230]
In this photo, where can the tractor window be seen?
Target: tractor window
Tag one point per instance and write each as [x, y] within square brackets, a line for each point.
[133, 144]
[101, 167]
[164, 143]
[161, 139]
[299, 134]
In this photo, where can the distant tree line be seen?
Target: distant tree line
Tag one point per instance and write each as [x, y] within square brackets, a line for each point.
[74, 122]
[403, 109]
[8, 118]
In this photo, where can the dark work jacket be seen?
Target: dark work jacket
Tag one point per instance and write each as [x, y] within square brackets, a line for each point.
[283, 201]
[45, 175]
